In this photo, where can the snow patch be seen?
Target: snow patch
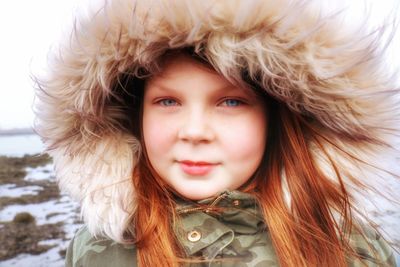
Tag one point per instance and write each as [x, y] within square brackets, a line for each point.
[49, 212]
[40, 173]
[51, 258]
[11, 190]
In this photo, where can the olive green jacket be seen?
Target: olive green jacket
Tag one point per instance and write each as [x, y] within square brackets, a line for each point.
[236, 236]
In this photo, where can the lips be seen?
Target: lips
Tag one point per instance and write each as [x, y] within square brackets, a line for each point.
[196, 168]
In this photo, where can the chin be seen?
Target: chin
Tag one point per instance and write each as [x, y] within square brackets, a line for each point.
[198, 193]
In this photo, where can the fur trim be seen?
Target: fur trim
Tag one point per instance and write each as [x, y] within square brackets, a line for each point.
[309, 61]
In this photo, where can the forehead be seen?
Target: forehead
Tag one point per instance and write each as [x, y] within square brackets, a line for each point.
[182, 70]
[181, 66]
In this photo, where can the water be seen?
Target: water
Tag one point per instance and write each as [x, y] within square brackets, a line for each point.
[18, 145]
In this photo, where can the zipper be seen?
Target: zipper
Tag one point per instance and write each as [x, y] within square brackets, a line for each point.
[208, 209]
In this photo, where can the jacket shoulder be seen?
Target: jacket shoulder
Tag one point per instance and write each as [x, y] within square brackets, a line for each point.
[372, 247]
[87, 250]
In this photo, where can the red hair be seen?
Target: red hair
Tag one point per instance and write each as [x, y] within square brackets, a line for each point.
[297, 199]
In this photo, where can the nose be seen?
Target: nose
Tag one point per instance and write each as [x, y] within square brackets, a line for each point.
[196, 127]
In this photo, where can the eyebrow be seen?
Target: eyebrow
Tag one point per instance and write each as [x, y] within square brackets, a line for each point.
[230, 87]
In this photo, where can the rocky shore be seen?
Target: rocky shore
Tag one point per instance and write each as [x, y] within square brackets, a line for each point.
[36, 219]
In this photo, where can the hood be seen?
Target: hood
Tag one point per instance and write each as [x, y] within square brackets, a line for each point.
[306, 58]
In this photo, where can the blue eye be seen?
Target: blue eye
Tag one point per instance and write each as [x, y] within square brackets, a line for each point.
[167, 102]
[232, 102]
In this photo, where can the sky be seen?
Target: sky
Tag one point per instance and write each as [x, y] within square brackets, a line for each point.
[28, 28]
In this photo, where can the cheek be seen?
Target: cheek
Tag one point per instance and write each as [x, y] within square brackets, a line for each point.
[157, 134]
[246, 141]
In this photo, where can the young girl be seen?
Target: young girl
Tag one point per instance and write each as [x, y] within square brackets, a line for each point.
[219, 133]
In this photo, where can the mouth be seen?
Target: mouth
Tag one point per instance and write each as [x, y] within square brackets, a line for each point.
[196, 168]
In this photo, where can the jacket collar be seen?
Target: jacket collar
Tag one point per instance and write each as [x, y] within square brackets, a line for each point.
[212, 223]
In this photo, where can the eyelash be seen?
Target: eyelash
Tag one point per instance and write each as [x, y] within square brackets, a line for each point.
[163, 101]
[238, 102]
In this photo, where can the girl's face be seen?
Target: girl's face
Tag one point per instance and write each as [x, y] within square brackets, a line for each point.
[202, 134]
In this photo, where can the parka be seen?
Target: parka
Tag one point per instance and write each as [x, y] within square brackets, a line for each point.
[237, 236]
[300, 54]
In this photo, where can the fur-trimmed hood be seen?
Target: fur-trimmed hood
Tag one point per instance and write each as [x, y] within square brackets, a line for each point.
[302, 57]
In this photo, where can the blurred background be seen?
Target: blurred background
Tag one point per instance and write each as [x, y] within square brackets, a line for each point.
[36, 219]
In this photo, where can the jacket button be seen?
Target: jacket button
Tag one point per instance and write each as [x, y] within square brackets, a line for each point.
[194, 236]
[236, 202]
